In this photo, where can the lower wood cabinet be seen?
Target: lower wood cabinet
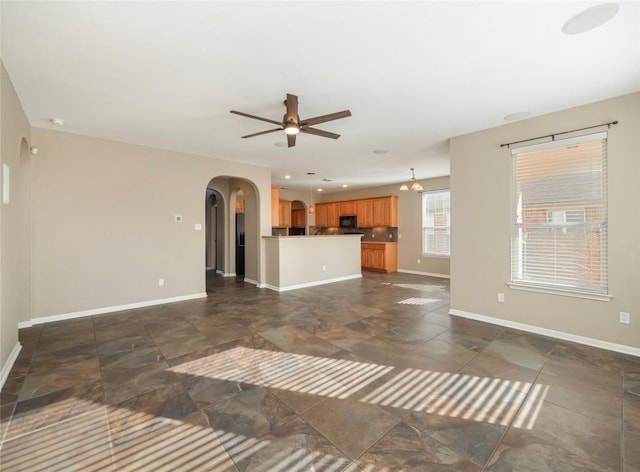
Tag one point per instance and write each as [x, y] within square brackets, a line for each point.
[381, 257]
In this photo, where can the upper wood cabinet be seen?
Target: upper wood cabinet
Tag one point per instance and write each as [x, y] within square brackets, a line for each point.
[284, 214]
[298, 219]
[380, 211]
[364, 212]
[321, 215]
[385, 211]
[327, 215]
[347, 208]
[239, 204]
[275, 207]
[333, 219]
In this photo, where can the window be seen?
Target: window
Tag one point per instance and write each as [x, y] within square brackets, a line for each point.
[436, 223]
[559, 221]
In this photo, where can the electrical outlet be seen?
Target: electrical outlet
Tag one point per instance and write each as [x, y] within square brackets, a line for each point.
[419, 261]
[625, 318]
[500, 297]
[160, 282]
[324, 268]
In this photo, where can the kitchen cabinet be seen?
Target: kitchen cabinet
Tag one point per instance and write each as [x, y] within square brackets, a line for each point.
[327, 215]
[380, 257]
[333, 220]
[298, 219]
[284, 214]
[239, 204]
[275, 207]
[321, 215]
[385, 211]
[364, 212]
[371, 212]
[347, 208]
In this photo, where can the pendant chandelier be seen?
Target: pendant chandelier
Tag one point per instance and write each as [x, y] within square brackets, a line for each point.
[413, 184]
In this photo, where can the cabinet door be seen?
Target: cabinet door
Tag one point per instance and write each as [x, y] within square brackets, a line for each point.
[275, 206]
[298, 219]
[364, 212]
[284, 213]
[381, 212]
[332, 215]
[347, 208]
[321, 215]
[385, 211]
[239, 204]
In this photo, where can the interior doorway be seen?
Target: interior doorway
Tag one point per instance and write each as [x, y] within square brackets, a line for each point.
[232, 230]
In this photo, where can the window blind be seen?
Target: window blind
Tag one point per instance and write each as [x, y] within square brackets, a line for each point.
[559, 219]
[436, 223]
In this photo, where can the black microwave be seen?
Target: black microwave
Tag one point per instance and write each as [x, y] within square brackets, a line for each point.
[348, 222]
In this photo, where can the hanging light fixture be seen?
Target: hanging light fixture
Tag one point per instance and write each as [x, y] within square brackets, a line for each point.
[312, 209]
[413, 184]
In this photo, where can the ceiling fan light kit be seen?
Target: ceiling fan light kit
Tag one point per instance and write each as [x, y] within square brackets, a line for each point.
[291, 123]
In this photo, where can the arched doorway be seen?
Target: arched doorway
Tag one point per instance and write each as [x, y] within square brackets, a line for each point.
[232, 229]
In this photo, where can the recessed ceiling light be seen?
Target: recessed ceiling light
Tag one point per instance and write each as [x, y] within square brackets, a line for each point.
[380, 151]
[590, 18]
[319, 190]
[517, 115]
[344, 185]
[57, 121]
[287, 176]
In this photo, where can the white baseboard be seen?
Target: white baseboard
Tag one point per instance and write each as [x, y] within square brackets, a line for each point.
[622, 348]
[430, 274]
[109, 309]
[251, 281]
[311, 284]
[6, 368]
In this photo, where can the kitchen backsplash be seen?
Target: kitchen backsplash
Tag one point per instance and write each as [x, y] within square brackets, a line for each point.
[389, 235]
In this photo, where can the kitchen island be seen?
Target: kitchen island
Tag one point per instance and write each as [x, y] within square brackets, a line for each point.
[304, 261]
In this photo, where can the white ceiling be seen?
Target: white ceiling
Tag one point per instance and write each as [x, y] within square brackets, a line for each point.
[413, 74]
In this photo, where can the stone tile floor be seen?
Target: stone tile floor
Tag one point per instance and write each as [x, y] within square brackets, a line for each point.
[363, 375]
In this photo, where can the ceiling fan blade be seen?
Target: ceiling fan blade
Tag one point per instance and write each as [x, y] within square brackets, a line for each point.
[319, 132]
[324, 118]
[262, 132]
[291, 140]
[256, 117]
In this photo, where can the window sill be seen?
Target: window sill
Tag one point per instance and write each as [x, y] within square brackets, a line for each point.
[564, 293]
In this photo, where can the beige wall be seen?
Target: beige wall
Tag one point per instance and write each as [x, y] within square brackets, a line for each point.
[409, 224]
[104, 229]
[481, 205]
[14, 218]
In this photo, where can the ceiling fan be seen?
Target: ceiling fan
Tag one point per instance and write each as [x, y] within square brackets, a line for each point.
[292, 124]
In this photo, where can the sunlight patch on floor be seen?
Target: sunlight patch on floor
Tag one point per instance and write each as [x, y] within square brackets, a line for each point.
[296, 372]
[419, 301]
[482, 399]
